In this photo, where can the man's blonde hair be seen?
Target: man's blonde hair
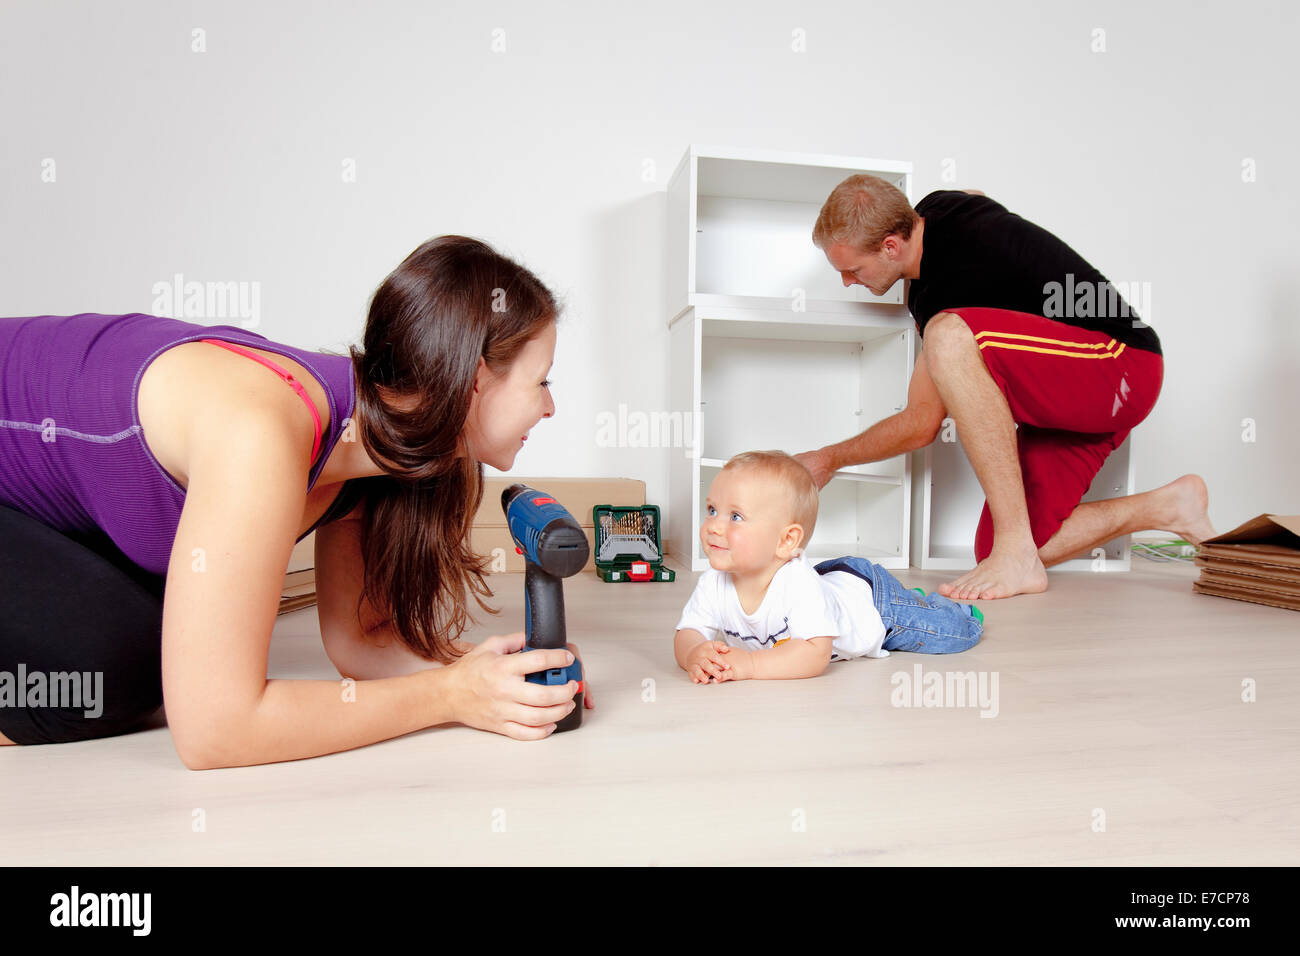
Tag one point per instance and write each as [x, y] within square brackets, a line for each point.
[795, 479]
[860, 212]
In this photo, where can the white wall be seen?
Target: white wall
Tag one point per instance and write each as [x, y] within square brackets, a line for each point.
[226, 165]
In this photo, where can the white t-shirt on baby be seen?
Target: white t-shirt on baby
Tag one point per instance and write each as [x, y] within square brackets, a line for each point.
[799, 603]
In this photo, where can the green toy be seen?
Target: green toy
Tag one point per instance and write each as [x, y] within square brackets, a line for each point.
[627, 544]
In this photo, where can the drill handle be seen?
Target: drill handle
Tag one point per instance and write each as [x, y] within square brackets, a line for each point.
[543, 608]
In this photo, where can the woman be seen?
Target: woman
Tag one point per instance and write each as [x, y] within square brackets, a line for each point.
[142, 456]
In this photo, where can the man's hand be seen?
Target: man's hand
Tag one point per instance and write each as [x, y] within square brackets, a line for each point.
[819, 465]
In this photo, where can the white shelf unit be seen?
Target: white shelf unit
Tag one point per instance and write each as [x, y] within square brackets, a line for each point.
[768, 349]
[740, 229]
[947, 502]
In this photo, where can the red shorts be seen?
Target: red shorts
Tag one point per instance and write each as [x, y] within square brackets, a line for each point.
[1075, 393]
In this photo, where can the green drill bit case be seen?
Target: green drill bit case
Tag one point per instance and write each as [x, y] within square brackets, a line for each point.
[627, 544]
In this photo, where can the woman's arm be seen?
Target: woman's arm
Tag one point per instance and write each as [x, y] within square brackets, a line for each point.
[364, 648]
[242, 510]
[369, 647]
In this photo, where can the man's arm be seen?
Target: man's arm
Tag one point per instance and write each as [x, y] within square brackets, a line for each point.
[912, 428]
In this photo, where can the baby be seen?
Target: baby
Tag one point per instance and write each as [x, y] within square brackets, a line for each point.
[762, 610]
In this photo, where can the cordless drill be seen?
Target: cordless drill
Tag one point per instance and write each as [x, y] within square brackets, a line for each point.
[554, 547]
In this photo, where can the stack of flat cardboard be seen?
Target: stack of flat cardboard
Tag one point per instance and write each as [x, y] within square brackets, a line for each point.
[1257, 562]
[489, 536]
[300, 577]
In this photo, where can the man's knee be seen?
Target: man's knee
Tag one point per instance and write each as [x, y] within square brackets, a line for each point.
[948, 329]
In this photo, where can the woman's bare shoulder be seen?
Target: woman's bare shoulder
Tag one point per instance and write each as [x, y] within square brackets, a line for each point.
[194, 388]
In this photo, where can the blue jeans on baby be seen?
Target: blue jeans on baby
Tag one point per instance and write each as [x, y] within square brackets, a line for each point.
[932, 624]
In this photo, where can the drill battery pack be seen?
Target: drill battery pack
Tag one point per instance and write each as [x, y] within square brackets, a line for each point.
[627, 544]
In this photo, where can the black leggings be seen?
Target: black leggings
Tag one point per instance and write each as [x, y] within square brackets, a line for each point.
[72, 607]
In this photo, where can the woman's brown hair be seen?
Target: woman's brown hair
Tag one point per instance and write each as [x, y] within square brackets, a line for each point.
[450, 302]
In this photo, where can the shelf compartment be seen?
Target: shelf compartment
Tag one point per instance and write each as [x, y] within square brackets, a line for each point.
[798, 393]
[740, 225]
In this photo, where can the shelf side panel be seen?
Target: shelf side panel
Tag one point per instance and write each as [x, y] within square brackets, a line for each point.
[680, 262]
[683, 378]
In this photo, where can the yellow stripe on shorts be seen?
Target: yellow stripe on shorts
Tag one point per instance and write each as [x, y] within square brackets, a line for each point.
[1096, 349]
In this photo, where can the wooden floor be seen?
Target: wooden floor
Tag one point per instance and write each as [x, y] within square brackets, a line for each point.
[1120, 737]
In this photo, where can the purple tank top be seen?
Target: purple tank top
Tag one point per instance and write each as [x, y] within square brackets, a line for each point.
[72, 453]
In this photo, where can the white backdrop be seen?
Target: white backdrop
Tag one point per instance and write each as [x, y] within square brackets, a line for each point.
[306, 148]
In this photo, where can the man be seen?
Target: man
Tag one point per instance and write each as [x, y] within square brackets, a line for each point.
[982, 283]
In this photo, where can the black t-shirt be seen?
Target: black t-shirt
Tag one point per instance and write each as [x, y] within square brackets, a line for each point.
[976, 253]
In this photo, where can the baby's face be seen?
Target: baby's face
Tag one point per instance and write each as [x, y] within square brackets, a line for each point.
[744, 518]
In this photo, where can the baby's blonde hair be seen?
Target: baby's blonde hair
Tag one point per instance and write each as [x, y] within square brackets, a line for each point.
[800, 489]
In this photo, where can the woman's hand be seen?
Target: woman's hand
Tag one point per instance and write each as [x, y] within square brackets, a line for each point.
[586, 682]
[489, 691]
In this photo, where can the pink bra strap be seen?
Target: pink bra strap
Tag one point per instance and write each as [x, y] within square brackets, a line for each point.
[287, 376]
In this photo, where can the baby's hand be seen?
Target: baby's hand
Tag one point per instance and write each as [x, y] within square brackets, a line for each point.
[706, 663]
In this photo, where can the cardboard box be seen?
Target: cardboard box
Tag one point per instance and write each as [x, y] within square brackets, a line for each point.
[303, 557]
[299, 589]
[1258, 562]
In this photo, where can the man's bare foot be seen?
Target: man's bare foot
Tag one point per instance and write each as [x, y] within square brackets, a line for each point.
[1186, 509]
[999, 576]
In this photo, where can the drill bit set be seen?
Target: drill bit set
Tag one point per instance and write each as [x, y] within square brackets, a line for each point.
[627, 544]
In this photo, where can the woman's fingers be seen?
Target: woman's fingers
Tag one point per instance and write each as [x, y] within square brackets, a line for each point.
[587, 702]
[523, 732]
[544, 659]
[541, 716]
[545, 695]
[503, 643]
